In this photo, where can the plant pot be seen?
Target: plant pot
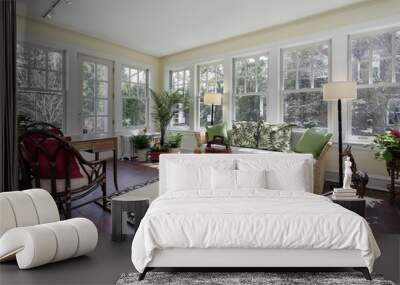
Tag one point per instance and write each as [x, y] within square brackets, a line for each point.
[175, 150]
[142, 154]
[154, 155]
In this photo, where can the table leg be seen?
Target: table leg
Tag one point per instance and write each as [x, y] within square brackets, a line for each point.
[116, 214]
[115, 170]
[96, 155]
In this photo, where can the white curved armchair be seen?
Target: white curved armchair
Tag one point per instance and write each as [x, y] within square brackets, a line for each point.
[31, 230]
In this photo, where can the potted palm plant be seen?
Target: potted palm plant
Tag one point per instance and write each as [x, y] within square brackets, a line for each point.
[165, 107]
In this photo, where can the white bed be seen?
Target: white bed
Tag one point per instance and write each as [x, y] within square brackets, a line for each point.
[201, 219]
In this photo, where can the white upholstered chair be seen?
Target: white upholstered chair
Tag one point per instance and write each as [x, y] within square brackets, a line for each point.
[31, 231]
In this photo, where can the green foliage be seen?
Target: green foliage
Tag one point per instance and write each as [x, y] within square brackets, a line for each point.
[175, 141]
[165, 107]
[385, 144]
[141, 141]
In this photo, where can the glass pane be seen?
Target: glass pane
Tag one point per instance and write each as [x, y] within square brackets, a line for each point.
[290, 80]
[22, 55]
[49, 108]
[374, 110]
[101, 89]
[133, 90]
[181, 119]
[88, 88]
[240, 85]
[102, 107]
[397, 43]
[381, 46]
[88, 70]
[26, 108]
[125, 74]
[88, 106]
[38, 79]
[360, 71]
[133, 75]
[205, 115]
[101, 72]
[359, 49]
[289, 60]
[88, 125]
[134, 112]
[187, 78]
[250, 108]
[125, 89]
[102, 124]
[54, 60]
[22, 77]
[382, 70]
[304, 79]
[397, 69]
[142, 77]
[54, 80]
[305, 109]
[262, 74]
[38, 58]
[142, 92]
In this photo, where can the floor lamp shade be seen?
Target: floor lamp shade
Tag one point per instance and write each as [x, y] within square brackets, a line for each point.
[343, 90]
[338, 91]
[213, 99]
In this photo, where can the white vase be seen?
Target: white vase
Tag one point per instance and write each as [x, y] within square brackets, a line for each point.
[141, 154]
[175, 150]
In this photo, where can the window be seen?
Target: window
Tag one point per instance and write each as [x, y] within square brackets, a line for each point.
[97, 101]
[180, 80]
[211, 80]
[250, 87]
[304, 71]
[134, 89]
[375, 65]
[40, 85]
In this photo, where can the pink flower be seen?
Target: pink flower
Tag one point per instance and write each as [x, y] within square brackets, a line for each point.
[395, 133]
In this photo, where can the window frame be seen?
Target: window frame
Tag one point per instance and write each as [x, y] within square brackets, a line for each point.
[189, 85]
[235, 95]
[64, 71]
[282, 91]
[198, 90]
[348, 135]
[147, 89]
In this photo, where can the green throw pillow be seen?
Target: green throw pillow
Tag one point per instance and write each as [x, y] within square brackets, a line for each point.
[217, 130]
[312, 142]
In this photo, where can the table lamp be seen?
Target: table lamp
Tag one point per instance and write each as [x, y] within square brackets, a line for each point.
[213, 99]
[338, 91]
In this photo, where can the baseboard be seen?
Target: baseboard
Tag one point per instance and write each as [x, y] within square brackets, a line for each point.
[375, 181]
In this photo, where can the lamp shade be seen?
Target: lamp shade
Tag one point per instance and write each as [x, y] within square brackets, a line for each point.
[212, 99]
[344, 90]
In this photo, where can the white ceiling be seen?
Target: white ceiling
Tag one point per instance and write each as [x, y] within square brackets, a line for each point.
[163, 27]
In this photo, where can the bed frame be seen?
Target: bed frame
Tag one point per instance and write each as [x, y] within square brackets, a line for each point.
[242, 259]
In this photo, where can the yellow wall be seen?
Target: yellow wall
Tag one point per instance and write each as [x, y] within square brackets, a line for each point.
[27, 26]
[362, 12]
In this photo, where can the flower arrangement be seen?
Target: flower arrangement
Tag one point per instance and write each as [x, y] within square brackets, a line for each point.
[387, 144]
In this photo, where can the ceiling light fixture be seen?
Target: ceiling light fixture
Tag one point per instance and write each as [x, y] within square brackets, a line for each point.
[50, 10]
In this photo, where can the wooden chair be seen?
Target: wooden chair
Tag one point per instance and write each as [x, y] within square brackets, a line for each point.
[49, 161]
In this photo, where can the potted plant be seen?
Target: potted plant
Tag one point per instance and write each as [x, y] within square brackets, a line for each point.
[165, 107]
[387, 145]
[175, 142]
[141, 143]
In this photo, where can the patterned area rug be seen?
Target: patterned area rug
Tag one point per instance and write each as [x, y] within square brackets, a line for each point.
[126, 190]
[243, 278]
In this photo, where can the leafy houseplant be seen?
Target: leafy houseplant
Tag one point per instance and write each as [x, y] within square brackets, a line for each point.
[165, 107]
[387, 145]
[141, 143]
[175, 142]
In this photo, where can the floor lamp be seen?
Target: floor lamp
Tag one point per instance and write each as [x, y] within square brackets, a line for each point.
[213, 99]
[338, 91]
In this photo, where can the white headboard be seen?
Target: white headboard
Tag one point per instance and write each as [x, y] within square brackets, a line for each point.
[212, 159]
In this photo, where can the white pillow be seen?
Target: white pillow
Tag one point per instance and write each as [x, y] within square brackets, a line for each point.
[280, 180]
[193, 177]
[251, 179]
[223, 179]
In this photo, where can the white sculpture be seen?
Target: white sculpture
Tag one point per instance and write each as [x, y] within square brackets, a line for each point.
[347, 173]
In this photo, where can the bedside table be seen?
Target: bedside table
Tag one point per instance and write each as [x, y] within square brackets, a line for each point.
[356, 205]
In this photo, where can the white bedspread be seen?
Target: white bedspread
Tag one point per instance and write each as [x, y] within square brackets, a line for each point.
[250, 219]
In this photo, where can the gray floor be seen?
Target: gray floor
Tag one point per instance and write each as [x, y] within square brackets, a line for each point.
[103, 266]
[111, 259]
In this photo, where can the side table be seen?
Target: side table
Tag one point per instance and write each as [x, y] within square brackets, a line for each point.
[357, 205]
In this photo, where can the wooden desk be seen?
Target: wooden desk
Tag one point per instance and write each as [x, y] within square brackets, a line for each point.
[97, 144]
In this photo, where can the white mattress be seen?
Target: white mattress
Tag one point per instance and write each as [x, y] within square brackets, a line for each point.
[250, 219]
